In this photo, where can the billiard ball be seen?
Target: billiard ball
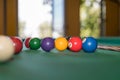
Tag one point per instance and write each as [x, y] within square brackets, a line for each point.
[89, 44]
[47, 44]
[6, 48]
[17, 42]
[75, 44]
[35, 43]
[26, 42]
[61, 43]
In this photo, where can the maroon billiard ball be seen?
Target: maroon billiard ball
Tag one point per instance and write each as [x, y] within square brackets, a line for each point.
[26, 42]
[18, 45]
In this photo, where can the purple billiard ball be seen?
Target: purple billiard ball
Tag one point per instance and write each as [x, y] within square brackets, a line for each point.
[47, 44]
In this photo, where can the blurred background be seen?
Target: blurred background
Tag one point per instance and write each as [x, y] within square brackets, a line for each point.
[55, 18]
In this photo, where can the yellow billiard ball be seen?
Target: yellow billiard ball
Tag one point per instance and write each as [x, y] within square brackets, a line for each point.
[61, 43]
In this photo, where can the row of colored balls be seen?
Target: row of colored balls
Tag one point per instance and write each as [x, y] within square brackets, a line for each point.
[74, 44]
[14, 45]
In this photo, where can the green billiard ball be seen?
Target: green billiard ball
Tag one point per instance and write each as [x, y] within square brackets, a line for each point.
[35, 43]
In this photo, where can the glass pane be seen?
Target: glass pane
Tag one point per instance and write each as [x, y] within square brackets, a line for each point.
[58, 18]
[90, 17]
[38, 18]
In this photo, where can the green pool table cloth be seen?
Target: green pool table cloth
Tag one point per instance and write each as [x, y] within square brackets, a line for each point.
[65, 65]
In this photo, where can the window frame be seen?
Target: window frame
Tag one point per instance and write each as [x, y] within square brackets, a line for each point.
[2, 20]
[12, 17]
[9, 18]
[71, 17]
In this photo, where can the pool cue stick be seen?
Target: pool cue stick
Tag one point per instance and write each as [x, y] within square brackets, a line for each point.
[113, 48]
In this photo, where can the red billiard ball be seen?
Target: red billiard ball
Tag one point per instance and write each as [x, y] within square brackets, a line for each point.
[75, 44]
[19, 38]
[26, 42]
[18, 45]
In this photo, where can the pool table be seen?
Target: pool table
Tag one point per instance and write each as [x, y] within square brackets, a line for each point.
[65, 65]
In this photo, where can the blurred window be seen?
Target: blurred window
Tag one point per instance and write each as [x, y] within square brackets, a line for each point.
[40, 18]
[91, 16]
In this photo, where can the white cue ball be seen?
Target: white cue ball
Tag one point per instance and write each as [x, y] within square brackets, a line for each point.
[6, 48]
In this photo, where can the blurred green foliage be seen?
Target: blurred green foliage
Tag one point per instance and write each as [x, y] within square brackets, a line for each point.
[90, 18]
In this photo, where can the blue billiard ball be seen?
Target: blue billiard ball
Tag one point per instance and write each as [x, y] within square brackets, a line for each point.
[89, 44]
